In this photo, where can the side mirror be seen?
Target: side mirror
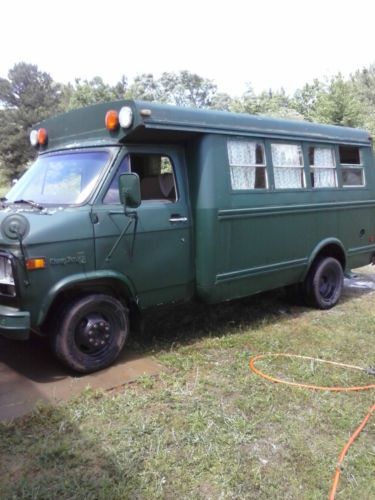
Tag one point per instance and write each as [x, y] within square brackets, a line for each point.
[130, 190]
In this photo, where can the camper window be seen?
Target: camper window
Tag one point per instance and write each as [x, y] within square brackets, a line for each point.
[247, 165]
[322, 167]
[351, 166]
[287, 161]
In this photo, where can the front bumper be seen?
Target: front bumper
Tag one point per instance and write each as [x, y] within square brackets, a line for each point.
[14, 324]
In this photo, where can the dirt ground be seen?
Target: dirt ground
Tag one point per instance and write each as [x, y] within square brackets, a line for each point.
[29, 374]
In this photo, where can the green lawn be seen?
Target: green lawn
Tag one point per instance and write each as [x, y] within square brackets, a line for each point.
[208, 427]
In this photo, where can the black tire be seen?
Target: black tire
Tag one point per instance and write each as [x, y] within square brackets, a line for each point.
[90, 333]
[323, 284]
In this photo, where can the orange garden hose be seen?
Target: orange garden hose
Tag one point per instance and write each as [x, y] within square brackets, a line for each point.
[359, 429]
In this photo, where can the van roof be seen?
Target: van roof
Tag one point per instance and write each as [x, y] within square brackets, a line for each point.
[161, 122]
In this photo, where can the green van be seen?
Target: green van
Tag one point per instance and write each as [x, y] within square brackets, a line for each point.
[135, 204]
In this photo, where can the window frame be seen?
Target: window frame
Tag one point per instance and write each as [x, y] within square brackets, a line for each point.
[131, 153]
[302, 167]
[312, 167]
[353, 166]
[264, 165]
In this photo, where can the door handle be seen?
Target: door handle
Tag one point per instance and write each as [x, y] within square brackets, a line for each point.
[178, 218]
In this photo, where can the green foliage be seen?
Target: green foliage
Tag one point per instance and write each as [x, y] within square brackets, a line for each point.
[182, 89]
[86, 92]
[26, 97]
[145, 88]
[338, 104]
[305, 99]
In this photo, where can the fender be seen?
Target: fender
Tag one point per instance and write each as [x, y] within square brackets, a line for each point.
[321, 245]
[83, 279]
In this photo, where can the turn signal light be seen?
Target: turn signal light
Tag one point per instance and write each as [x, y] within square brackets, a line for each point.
[37, 263]
[42, 136]
[111, 120]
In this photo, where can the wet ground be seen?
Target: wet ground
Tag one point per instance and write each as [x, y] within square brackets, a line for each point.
[29, 373]
[361, 281]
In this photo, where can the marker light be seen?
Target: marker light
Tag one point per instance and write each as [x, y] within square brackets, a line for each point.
[38, 137]
[37, 263]
[34, 138]
[126, 117]
[42, 136]
[111, 120]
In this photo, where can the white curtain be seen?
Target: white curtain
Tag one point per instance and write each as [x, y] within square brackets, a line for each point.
[324, 177]
[323, 157]
[286, 155]
[324, 167]
[242, 160]
[242, 177]
[242, 153]
[287, 177]
[287, 161]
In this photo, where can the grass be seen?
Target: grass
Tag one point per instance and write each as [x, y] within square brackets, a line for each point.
[207, 427]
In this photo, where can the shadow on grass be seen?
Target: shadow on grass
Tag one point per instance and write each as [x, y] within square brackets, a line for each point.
[53, 454]
[185, 323]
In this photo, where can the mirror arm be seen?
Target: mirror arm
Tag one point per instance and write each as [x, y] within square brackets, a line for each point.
[133, 216]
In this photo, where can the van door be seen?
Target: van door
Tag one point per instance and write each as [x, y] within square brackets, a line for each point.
[155, 251]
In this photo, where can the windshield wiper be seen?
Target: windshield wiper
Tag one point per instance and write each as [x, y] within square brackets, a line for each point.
[32, 203]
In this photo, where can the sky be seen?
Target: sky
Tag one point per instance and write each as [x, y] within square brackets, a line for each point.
[265, 43]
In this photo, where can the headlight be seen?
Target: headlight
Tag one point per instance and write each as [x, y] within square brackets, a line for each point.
[6, 277]
[6, 271]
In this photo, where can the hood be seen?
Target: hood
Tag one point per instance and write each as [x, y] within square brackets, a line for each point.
[51, 225]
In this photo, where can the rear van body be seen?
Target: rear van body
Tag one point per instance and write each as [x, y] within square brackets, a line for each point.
[132, 204]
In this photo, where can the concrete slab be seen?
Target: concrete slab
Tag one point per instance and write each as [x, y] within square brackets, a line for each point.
[29, 373]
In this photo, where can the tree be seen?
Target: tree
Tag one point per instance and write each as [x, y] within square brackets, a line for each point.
[271, 103]
[183, 89]
[338, 104]
[86, 92]
[187, 89]
[145, 88]
[363, 82]
[305, 99]
[27, 96]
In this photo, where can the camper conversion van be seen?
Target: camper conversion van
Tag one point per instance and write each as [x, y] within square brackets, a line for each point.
[135, 204]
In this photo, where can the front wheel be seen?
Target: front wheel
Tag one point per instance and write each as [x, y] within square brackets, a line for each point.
[90, 332]
[323, 284]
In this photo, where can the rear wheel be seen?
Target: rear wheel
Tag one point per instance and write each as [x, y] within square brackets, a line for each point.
[323, 284]
[90, 332]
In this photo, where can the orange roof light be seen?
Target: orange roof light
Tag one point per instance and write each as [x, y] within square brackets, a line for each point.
[42, 136]
[111, 120]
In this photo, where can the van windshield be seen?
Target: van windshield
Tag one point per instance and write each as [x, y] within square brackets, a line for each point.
[66, 178]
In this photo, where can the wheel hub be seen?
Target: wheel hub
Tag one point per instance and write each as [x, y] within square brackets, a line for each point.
[93, 333]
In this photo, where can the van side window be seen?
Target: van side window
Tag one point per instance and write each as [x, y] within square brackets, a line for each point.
[247, 165]
[287, 162]
[351, 166]
[156, 175]
[322, 167]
